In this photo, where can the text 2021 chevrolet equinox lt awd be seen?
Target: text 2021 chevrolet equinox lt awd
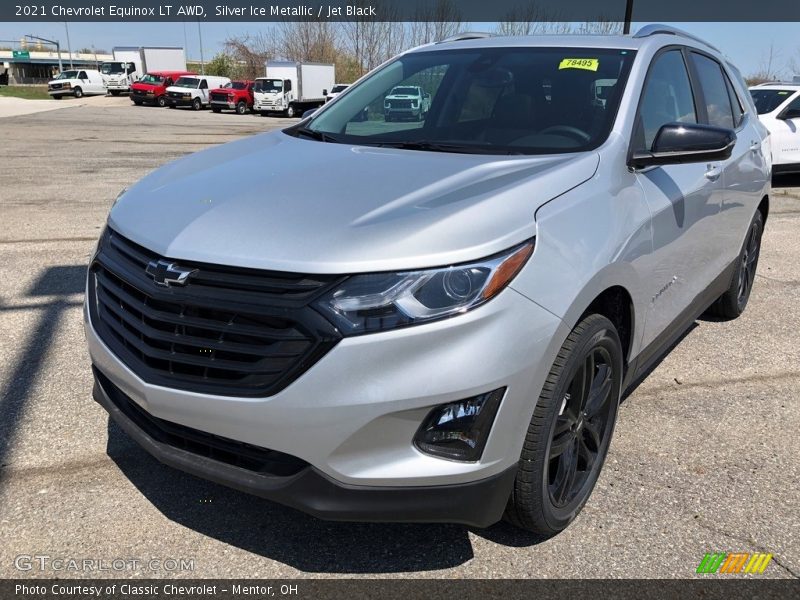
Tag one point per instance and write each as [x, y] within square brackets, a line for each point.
[434, 321]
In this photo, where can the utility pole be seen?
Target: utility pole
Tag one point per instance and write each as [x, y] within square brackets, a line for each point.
[69, 46]
[202, 60]
[626, 27]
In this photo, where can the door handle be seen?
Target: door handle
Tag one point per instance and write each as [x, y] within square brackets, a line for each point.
[755, 146]
[713, 172]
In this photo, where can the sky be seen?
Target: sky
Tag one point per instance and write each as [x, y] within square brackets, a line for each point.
[747, 45]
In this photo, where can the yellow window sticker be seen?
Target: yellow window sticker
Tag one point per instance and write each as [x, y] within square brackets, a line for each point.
[589, 64]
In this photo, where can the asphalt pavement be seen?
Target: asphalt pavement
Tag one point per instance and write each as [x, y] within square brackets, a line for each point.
[704, 458]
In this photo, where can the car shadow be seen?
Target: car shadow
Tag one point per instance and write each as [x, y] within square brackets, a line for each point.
[283, 534]
[786, 180]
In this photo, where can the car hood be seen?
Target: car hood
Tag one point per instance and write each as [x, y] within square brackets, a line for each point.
[147, 87]
[272, 201]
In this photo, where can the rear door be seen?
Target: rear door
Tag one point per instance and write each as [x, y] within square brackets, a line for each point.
[684, 199]
[744, 173]
[786, 134]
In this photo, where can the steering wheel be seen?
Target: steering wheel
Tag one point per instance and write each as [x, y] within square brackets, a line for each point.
[567, 130]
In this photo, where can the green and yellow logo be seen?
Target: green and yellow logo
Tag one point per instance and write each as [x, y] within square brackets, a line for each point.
[734, 562]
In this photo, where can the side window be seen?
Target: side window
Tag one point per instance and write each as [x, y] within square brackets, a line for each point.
[666, 98]
[736, 105]
[203, 84]
[718, 103]
[82, 75]
[168, 82]
[791, 109]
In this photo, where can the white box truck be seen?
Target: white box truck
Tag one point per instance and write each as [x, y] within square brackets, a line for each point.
[132, 62]
[291, 88]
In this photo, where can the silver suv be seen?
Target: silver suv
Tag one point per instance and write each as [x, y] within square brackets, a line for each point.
[434, 321]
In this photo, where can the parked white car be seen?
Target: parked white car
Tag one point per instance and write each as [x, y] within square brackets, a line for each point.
[336, 90]
[78, 83]
[778, 107]
[193, 90]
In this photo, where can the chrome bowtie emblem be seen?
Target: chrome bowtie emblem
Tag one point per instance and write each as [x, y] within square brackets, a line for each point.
[167, 273]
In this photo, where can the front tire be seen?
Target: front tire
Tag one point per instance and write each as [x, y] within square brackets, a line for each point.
[289, 112]
[161, 101]
[241, 108]
[78, 92]
[733, 302]
[197, 104]
[570, 430]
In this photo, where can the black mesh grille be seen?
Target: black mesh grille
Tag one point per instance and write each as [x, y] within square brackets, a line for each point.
[219, 97]
[227, 331]
[201, 443]
[400, 103]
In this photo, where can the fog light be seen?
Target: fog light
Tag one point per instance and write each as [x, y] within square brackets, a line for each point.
[459, 430]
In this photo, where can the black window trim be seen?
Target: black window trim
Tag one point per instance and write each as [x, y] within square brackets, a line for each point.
[792, 99]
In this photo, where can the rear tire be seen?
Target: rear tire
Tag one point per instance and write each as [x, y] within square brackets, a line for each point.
[137, 102]
[216, 110]
[57, 97]
[172, 106]
[733, 302]
[570, 430]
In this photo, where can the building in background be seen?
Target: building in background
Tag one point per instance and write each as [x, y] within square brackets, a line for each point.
[40, 66]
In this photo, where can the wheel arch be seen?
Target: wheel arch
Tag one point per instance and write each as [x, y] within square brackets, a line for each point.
[616, 304]
[763, 208]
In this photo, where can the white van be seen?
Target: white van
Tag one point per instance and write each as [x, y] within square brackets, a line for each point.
[78, 83]
[192, 90]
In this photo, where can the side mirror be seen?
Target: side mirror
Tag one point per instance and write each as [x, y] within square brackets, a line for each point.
[790, 113]
[677, 143]
[324, 92]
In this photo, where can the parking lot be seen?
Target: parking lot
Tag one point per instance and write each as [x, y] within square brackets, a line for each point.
[704, 458]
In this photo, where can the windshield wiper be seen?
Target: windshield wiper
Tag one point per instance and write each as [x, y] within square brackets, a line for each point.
[316, 135]
[448, 147]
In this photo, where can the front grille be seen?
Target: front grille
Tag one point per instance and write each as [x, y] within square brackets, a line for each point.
[219, 98]
[400, 104]
[227, 331]
[55, 86]
[200, 443]
[176, 94]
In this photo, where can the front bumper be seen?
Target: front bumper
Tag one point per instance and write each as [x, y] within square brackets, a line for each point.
[353, 415]
[180, 101]
[223, 105]
[479, 504]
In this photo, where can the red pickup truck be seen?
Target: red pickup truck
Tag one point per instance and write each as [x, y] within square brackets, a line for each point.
[237, 95]
[152, 88]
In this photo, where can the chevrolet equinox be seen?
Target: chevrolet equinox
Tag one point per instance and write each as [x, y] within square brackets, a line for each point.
[434, 320]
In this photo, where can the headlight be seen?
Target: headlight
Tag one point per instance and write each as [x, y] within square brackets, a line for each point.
[381, 301]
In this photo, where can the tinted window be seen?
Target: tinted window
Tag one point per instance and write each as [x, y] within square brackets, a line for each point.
[82, 75]
[793, 105]
[718, 103]
[505, 100]
[666, 98]
[736, 105]
[203, 85]
[768, 100]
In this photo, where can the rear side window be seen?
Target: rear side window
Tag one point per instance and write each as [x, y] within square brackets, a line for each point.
[736, 105]
[203, 84]
[715, 91]
[666, 98]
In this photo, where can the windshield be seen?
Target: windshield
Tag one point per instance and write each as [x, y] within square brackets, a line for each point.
[152, 79]
[112, 68]
[491, 100]
[68, 75]
[268, 85]
[338, 88]
[187, 82]
[405, 91]
[768, 100]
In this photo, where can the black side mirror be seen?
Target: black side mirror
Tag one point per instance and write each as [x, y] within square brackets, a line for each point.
[790, 113]
[677, 143]
[324, 92]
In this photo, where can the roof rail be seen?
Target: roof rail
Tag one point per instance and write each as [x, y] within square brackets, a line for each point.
[777, 82]
[466, 35]
[656, 28]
